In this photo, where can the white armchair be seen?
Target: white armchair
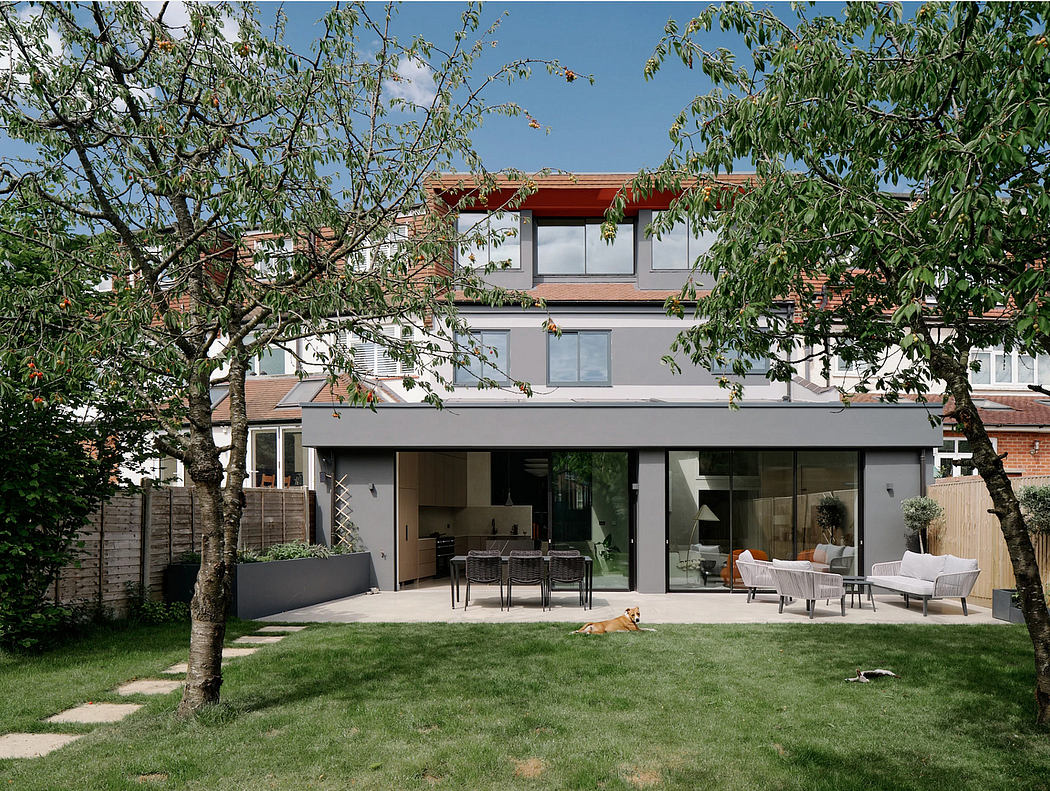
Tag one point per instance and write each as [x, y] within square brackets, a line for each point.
[794, 581]
[755, 574]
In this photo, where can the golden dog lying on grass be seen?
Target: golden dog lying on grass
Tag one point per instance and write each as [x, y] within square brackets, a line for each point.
[628, 622]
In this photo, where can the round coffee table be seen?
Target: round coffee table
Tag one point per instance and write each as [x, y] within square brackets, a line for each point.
[855, 587]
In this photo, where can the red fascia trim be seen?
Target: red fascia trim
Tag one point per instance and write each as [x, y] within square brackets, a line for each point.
[569, 202]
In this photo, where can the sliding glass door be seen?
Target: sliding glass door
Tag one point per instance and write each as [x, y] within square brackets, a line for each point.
[776, 503]
[591, 512]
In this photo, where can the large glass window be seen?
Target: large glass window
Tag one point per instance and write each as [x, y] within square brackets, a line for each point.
[292, 474]
[791, 505]
[577, 247]
[494, 347]
[487, 238]
[264, 456]
[753, 365]
[579, 358]
[278, 459]
[591, 512]
[680, 247]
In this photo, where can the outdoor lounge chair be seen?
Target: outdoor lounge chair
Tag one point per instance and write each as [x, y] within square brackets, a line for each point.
[755, 574]
[484, 567]
[526, 568]
[795, 581]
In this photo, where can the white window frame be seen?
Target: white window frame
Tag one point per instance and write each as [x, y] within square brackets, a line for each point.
[940, 456]
[1040, 369]
[180, 472]
[390, 247]
[280, 431]
[269, 255]
[376, 361]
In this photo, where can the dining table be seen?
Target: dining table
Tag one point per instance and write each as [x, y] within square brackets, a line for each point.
[458, 563]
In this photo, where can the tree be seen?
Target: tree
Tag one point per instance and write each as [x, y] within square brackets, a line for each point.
[61, 439]
[242, 196]
[898, 214]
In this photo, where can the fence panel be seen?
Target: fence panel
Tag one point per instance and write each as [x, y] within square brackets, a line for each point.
[131, 539]
[969, 531]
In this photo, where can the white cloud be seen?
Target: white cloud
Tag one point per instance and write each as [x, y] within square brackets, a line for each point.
[414, 82]
[177, 19]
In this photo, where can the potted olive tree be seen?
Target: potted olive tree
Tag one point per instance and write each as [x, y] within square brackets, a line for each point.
[920, 514]
[831, 516]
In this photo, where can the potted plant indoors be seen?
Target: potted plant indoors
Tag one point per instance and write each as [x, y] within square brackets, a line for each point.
[920, 513]
[831, 516]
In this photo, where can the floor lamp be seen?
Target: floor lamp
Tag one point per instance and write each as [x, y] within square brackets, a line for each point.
[705, 514]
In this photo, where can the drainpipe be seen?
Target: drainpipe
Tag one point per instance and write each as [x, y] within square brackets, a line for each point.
[922, 472]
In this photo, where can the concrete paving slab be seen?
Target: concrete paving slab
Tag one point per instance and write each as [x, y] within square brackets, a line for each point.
[33, 745]
[259, 639]
[148, 686]
[96, 712]
[431, 603]
[234, 652]
[174, 670]
[273, 629]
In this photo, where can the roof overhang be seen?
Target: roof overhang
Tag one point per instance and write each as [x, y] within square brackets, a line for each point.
[620, 425]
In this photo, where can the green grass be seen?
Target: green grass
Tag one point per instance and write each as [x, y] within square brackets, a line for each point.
[464, 706]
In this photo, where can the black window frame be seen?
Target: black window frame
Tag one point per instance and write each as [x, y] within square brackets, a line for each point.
[608, 359]
[584, 222]
[461, 375]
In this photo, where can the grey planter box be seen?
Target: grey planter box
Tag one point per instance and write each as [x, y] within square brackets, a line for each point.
[1003, 608]
[262, 589]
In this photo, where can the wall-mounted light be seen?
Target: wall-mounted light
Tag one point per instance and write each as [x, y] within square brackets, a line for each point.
[1035, 448]
[372, 489]
[889, 489]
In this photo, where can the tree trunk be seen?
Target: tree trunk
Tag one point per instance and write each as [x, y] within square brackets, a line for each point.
[211, 595]
[1011, 522]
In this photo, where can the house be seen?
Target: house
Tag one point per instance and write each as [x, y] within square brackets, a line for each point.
[648, 472]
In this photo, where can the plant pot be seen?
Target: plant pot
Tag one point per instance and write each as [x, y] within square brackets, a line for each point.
[261, 589]
[1003, 607]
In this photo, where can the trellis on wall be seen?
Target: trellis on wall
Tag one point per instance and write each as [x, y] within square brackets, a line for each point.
[344, 532]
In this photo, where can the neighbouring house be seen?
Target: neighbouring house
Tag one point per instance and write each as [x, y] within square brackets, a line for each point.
[648, 472]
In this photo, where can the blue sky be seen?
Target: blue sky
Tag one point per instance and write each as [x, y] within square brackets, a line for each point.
[618, 124]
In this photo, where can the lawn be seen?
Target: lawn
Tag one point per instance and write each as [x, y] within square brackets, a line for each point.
[405, 706]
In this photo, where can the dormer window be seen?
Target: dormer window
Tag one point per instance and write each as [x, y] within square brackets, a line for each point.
[579, 247]
[489, 238]
[681, 246]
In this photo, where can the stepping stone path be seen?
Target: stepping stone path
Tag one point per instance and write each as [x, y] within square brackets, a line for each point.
[96, 712]
[260, 638]
[271, 629]
[148, 686]
[34, 745]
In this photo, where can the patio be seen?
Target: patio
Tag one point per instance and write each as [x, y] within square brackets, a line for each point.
[428, 602]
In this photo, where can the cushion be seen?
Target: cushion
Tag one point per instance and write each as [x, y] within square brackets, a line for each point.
[904, 585]
[834, 551]
[820, 555]
[921, 567]
[745, 555]
[701, 548]
[848, 552]
[954, 565]
[799, 565]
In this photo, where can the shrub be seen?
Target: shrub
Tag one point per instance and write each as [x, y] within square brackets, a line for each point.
[1035, 502]
[920, 513]
[142, 609]
[294, 550]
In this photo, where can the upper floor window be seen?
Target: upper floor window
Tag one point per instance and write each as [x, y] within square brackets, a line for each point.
[955, 449]
[579, 358]
[576, 247]
[271, 362]
[373, 359]
[494, 347]
[157, 254]
[680, 247]
[753, 365]
[1009, 369]
[271, 257]
[489, 238]
[371, 253]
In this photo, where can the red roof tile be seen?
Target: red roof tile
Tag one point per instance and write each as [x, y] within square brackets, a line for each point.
[1031, 410]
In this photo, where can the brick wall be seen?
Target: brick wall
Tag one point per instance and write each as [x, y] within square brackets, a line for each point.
[1019, 445]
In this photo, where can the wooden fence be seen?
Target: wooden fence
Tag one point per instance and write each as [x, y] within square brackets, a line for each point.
[131, 539]
[969, 531]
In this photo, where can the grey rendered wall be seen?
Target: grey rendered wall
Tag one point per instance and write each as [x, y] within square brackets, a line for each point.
[372, 513]
[650, 551]
[889, 477]
[518, 279]
[636, 353]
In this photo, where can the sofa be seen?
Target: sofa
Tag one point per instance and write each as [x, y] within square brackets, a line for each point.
[832, 558]
[927, 577]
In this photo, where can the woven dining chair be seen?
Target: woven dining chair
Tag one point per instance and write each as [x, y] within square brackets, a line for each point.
[566, 567]
[484, 567]
[526, 568]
